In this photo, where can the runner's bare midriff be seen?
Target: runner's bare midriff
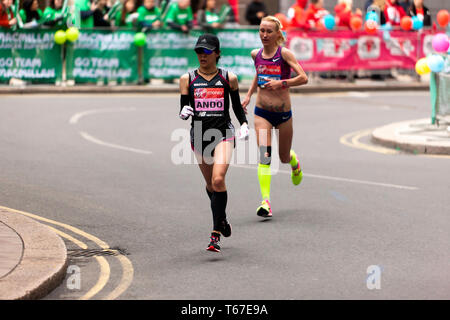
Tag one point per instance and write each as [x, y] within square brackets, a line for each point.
[274, 101]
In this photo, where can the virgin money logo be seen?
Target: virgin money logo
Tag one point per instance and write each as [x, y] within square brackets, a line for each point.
[369, 47]
[302, 48]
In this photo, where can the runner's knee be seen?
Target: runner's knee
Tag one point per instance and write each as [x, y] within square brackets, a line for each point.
[218, 182]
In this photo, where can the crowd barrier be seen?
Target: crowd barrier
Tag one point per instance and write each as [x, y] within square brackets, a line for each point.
[96, 55]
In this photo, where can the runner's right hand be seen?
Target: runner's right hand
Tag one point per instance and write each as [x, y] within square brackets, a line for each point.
[186, 112]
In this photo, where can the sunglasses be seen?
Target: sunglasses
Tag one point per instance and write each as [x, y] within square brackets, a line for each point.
[203, 50]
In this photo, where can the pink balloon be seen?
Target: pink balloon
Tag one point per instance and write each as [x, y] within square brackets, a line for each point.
[440, 42]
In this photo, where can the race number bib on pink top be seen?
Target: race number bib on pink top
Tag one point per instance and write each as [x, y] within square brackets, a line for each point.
[267, 73]
[209, 99]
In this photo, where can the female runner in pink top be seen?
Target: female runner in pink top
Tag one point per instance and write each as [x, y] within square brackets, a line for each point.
[273, 65]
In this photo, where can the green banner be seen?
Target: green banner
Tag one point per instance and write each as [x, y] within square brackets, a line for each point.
[169, 54]
[103, 55]
[30, 55]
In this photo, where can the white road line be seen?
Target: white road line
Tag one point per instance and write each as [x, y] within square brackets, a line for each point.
[112, 145]
[76, 117]
[317, 176]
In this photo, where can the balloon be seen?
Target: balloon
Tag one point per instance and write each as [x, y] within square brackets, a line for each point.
[60, 37]
[372, 15]
[371, 26]
[406, 23]
[356, 23]
[139, 39]
[72, 34]
[283, 19]
[440, 42]
[443, 17]
[422, 67]
[417, 24]
[435, 62]
[386, 35]
[329, 21]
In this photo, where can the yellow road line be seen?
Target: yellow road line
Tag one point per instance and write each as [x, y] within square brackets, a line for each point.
[355, 143]
[82, 245]
[105, 270]
[127, 266]
[127, 278]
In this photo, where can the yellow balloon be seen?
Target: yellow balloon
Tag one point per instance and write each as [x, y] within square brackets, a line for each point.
[422, 67]
[72, 34]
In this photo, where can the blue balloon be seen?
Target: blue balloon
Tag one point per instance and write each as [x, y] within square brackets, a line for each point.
[435, 62]
[417, 23]
[372, 15]
[386, 35]
[329, 21]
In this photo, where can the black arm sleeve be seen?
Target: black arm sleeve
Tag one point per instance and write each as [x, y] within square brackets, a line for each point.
[237, 106]
[184, 101]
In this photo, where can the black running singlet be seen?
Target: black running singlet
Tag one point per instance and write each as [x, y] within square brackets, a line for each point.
[210, 99]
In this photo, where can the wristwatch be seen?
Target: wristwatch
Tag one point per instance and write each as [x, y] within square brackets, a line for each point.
[284, 84]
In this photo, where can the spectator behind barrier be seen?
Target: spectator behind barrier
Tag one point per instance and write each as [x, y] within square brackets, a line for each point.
[149, 15]
[7, 19]
[393, 12]
[296, 14]
[207, 18]
[30, 14]
[127, 16]
[256, 10]
[86, 9]
[405, 4]
[54, 15]
[180, 17]
[423, 13]
[343, 10]
[314, 14]
[381, 6]
[101, 18]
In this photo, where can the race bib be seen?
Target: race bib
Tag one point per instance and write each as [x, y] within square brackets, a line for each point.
[209, 99]
[267, 73]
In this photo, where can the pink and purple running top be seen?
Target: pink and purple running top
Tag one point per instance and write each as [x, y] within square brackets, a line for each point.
[275, 68]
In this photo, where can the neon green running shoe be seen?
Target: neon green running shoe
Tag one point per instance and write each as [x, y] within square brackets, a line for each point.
[264, 209]
[296, 174]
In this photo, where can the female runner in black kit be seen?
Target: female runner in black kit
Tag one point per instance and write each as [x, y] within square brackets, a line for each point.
[205, 96]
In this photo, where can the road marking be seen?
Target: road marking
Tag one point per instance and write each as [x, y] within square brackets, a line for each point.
[317, 176]
[103, 279]
[76, 117]
[92, 139]
[127, 278]
[127, 266]
[105, 270]
[354, 142]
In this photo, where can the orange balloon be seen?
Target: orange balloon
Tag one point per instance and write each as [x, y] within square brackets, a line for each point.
[371, 26]
[283, 19]
[443, 17]
[356, 23]
[406, 23]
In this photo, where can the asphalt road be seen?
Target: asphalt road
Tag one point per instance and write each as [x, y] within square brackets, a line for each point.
[106, 165]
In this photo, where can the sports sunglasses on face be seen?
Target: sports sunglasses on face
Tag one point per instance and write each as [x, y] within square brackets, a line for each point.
[203, 50]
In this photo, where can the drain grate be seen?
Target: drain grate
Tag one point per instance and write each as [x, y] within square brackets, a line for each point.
[96, 252]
